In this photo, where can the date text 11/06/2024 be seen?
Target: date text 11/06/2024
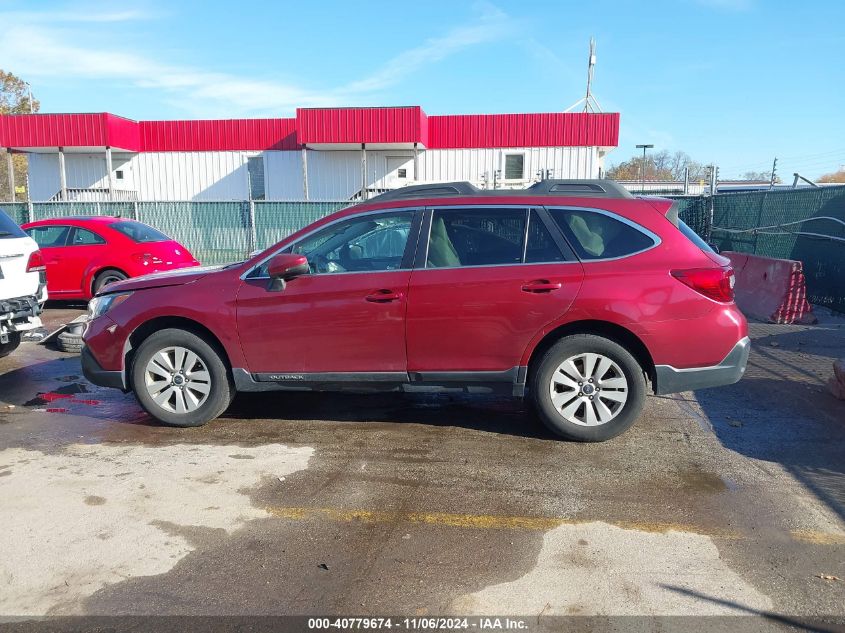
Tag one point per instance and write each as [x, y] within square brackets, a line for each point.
[419, 624]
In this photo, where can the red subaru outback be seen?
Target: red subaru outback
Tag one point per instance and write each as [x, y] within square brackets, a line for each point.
[573, 293]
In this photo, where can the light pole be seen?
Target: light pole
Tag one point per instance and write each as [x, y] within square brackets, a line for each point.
[642, 168]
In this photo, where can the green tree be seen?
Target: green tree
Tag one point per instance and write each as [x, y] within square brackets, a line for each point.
[14, 99]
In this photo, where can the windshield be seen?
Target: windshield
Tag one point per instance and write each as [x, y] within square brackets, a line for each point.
[138, 231]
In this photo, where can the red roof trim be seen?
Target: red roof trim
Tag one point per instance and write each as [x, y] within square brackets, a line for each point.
[361, 125]
[312, 126]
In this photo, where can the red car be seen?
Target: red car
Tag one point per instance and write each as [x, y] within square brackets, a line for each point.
[83, 254]
[573, 293]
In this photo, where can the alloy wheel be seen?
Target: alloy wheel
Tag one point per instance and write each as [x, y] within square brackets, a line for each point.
[588, 389]
[177, 380]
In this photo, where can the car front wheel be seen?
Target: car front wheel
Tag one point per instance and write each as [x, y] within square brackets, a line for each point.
[588, 388]
[180, 379]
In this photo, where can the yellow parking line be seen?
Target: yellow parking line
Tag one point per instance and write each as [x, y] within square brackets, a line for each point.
[484, 521]
[817, 538]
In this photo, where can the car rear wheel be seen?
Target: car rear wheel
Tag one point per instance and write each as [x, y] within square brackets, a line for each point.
[588, 388]
[180, 379]
[106, 277]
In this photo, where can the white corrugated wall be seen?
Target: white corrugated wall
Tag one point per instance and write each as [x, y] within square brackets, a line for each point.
[332, 174]
[83, 171]
[192, 175]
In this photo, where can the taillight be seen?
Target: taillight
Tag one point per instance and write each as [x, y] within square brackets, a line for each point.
[35, 264]
[714, 283]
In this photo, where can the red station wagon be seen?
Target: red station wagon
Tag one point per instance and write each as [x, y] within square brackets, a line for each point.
[573, 293]
[83, 254]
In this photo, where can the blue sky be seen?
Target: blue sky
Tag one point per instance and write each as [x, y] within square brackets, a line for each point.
[737, 82]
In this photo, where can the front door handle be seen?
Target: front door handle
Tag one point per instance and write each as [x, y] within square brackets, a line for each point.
[541, 285]
[384, 296]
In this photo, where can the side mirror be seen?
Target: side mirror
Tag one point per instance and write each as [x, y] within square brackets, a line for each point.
[284, 267]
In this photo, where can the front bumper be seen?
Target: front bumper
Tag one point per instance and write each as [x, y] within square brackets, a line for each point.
[97, 375]
[668, 379]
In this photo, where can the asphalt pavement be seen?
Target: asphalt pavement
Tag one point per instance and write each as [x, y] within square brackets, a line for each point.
[728, 501]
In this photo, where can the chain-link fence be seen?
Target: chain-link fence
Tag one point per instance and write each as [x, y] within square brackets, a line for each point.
[803, 224]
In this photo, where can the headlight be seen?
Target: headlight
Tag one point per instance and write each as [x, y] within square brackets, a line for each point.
[98, 306]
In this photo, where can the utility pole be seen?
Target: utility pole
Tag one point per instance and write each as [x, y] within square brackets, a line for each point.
[30, 95]
[774, 174]
[642, 167]
[589, 100]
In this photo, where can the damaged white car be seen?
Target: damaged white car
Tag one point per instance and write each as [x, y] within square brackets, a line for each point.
[23, 287]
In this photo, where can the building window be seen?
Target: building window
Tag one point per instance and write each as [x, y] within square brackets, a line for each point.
[255, 168]
[119, 174]
[514, 166]
[403, 173]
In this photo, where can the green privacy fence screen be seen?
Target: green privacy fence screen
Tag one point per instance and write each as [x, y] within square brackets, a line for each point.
[215, 232]
[804, 224]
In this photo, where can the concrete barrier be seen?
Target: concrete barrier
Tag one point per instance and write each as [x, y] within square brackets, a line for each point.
[771, 289]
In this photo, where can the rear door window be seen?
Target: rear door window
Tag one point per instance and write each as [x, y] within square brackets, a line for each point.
[84, 237]
[601, 235]
[476, 237]
[540, 246]
[49, 236]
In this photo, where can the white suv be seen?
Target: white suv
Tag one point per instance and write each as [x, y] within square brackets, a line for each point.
[23, 287]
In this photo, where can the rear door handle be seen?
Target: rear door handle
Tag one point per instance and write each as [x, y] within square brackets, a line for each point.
[541, 285]
[384, 296]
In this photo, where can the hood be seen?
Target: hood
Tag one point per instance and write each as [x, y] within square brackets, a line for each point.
[158, 280]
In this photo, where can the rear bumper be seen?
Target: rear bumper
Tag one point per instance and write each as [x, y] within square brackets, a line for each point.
[668, 379]
[97, 375]
[19, 308]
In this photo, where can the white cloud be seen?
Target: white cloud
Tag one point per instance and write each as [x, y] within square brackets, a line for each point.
[49, 45]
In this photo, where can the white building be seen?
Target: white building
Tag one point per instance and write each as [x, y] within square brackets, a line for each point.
[320, 154]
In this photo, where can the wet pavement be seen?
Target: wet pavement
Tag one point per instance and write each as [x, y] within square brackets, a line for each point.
[728, 501]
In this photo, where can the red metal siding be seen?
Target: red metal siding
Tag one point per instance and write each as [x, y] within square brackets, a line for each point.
[312, 125]
[52, 130]
[361, 125]
[551, 129]
[218, 135]
[121, 133]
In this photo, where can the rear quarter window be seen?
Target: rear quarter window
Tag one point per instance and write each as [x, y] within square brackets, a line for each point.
[138, 232]
[596, 235]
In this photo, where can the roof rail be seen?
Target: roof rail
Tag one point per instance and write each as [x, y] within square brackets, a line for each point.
[596, 188]
[441, 189]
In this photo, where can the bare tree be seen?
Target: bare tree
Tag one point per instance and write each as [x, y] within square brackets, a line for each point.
[662, 165]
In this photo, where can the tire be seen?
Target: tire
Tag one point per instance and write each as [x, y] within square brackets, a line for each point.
[573, 414]
[69, 342]
[12, 345]
[107, 276]
[181, 403]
